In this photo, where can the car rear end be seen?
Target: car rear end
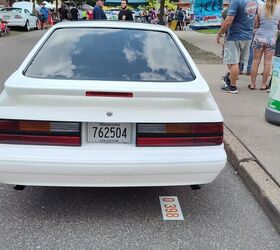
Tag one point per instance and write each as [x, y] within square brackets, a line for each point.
[13, 17]
[106, 125]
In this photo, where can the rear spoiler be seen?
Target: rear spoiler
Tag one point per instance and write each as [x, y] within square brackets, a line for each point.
[177, 93]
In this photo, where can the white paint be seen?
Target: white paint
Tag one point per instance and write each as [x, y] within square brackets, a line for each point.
[170, 208]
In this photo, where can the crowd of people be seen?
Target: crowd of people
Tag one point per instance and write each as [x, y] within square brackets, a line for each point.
[75, 13]
[250, 31]
[181, 16]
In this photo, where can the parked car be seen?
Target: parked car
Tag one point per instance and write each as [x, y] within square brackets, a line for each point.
[136, 15]
[19, 17]
[102, 104]
[112, 14]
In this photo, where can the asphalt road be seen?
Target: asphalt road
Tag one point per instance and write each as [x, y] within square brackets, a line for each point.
[221, 215]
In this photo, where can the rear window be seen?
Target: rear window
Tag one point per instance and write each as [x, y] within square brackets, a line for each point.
[12, 9]
[110, 55]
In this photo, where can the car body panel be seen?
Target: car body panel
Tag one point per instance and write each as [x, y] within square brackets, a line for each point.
[127, 165]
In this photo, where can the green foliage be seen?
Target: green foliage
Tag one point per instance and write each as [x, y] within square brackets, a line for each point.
[155, 4]
[208, 31]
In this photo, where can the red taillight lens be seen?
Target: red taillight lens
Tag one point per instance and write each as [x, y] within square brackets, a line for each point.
[179, 134]
[109, 94]
[40, 132]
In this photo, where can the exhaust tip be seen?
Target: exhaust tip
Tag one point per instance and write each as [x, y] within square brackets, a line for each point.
[19, 187]
[195, 187]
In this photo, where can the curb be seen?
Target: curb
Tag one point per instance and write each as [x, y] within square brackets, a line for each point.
[260, 184]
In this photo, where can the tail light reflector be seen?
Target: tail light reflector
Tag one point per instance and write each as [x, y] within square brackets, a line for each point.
[109, 94]
[179, 134]
[40, 132]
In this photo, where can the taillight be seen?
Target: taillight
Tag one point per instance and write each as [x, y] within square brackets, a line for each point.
[179, 134]
[40, 132]
[109, 94]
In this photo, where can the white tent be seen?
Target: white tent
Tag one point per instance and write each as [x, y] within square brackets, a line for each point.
[49, 5]
[87, 7]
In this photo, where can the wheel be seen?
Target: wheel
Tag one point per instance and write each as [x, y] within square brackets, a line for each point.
[27, 26]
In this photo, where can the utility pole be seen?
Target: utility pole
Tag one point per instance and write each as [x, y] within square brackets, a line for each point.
[56, 8]
[161, 13]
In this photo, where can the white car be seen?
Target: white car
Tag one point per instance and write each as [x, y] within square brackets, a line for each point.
[109, 104]
[19, 17]
[112, 14]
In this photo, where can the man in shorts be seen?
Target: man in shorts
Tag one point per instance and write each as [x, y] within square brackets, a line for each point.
[239, 25]
[44, 12]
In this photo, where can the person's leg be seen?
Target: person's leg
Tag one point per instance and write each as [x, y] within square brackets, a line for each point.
[231, 58]
[268, 54]
[256, 62]
[42, 24]
[233, 74]
[250, 61]
[241, 67]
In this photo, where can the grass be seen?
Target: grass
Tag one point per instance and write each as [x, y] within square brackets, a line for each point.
[208, 31]
[201, 56]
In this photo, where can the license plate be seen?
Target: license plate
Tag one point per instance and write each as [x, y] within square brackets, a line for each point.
[99, 132]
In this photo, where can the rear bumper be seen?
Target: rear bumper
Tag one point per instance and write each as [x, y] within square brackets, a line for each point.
[16, 23]
[46, 166]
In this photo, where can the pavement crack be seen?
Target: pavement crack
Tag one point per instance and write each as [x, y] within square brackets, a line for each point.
[247, 160]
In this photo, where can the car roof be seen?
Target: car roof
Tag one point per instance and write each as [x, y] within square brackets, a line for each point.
[112, 24]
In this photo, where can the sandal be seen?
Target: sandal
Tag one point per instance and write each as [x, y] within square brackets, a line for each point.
[265, 88]
[251, 87]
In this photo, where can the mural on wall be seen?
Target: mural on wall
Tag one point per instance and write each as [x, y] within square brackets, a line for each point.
[207, 12]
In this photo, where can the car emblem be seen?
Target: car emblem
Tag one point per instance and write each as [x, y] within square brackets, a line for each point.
[109, 114]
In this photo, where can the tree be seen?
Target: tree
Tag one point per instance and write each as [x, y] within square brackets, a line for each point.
[161, 13]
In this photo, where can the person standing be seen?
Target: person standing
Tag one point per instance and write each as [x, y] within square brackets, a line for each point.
[63, 13]
[98, 12]
[84, 14]
[90, 14]
[143, 14]
[125, 14]
[44, 12]
[240, 25]
[180, 17]
[267, 24]
[74, 13]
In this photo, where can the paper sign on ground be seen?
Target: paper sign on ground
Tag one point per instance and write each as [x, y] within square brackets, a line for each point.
[170, 208]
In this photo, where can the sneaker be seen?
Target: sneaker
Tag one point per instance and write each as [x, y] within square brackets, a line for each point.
[225, 76]
[226, 80]
[229, 89]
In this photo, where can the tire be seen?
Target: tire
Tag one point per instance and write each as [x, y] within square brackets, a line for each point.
[27, 26]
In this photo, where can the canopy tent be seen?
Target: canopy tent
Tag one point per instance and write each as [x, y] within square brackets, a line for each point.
[87, 7]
